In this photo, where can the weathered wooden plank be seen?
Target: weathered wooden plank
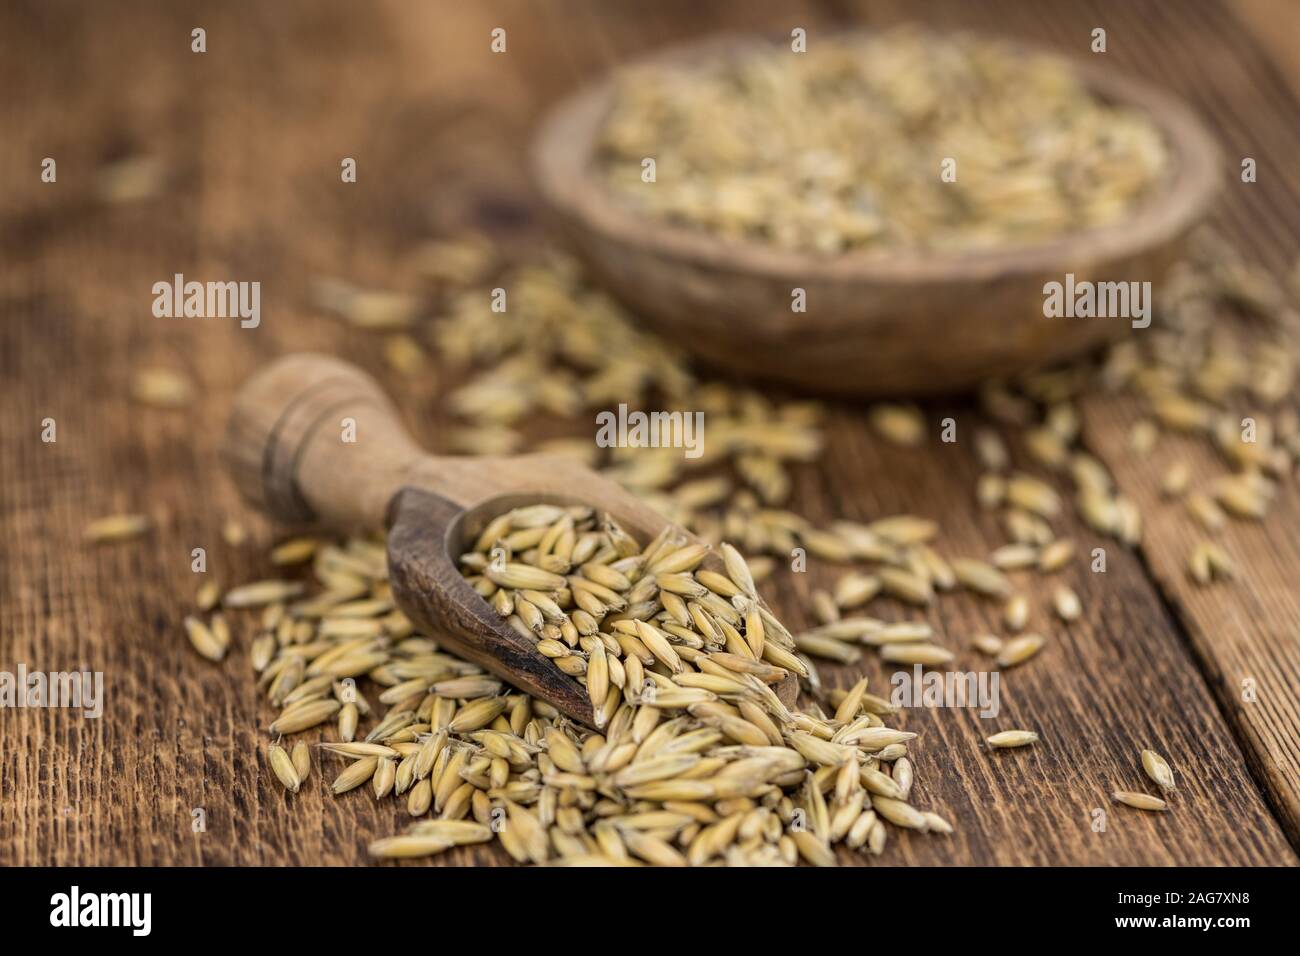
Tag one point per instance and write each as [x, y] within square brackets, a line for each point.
[1244, 632]
[1246, 636]
[1104, 688]
[253, 134]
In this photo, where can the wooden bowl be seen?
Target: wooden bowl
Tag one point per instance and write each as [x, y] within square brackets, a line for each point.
[876, 322]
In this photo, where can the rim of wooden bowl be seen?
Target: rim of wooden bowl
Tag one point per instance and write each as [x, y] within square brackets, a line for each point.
[563, 150]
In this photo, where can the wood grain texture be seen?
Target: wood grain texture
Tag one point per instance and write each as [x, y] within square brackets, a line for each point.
[1251, 630]
[252, 134]
[1273, 24]
[1245, 635]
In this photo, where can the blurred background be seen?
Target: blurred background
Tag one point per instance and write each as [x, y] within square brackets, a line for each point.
[242, 143]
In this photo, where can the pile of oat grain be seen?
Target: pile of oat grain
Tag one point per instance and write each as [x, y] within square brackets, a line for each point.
[841, 147]
[703, 763]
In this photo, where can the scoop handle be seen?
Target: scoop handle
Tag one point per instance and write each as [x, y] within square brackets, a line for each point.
[314, 439]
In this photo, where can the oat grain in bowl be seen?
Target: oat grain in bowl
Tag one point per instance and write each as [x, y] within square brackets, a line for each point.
[847, 147]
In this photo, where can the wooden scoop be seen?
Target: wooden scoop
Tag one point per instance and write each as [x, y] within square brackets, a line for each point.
[286, 449]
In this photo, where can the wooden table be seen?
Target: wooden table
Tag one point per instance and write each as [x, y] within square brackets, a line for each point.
[252, 134]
